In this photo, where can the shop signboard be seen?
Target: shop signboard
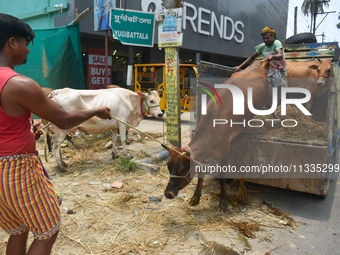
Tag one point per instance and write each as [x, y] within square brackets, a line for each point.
[133, 27]
[97, 68]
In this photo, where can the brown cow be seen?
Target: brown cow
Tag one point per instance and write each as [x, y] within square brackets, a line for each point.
[211, 143]
[311, 75]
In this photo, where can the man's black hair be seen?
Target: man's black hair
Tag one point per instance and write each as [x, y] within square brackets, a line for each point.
[13, 27]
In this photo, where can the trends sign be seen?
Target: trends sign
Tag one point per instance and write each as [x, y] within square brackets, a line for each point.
[227, 25]
[204, 21]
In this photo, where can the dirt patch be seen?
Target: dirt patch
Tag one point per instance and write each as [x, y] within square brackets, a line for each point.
[138, 219]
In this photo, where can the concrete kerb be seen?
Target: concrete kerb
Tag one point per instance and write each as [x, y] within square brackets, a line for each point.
[162, 155]
[146, 163]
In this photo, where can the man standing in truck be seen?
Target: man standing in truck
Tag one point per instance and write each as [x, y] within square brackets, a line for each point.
[272, 49]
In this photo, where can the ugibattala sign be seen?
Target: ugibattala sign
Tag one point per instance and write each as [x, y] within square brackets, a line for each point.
[133, 27]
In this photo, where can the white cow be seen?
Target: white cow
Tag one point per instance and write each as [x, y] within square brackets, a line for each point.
[124, 104]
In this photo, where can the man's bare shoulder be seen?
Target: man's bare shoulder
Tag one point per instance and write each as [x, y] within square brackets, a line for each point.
[21, 88]
[22, 85]
[19, 81]
[19, 92]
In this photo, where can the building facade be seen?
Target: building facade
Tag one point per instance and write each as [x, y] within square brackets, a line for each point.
[223, 31]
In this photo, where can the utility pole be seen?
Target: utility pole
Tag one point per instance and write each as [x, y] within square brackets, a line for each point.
[316, 13]
[172, 90]
[323, 36]
[130, 69]
[295, 20]
[311, 17]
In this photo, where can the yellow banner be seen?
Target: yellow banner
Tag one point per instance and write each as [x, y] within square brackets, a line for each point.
[172, 113]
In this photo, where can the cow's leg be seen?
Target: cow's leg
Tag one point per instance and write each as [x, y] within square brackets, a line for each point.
[223, 203]
[57, 140]
[195, 200]
[127, 141]
[114, 140]
[309, 104]
[48, 141]
[122, 132]
[223, 197]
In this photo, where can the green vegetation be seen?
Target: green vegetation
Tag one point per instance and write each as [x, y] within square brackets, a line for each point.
[125, 164]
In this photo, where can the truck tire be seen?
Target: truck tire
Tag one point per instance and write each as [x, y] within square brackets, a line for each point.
[301, 38]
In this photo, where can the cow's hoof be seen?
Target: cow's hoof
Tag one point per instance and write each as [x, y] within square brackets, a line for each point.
[114, 155]
[62, 170]
[223, 205]
[195, 200]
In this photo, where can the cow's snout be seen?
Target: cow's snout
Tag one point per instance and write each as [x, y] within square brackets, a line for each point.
[160, 115]
[319, 83]
[170, 194]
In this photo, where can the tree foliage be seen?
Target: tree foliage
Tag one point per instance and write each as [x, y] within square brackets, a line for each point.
[308, 6]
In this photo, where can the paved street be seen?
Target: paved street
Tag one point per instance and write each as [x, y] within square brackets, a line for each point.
[318, 220]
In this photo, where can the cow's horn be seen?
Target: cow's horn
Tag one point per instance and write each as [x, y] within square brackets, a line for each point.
[167, 146]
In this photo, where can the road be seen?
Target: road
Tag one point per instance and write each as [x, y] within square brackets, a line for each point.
[318, 220]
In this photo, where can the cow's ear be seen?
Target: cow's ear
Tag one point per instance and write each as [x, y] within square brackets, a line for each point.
[169, 147]
[160, 91]
[314, 67]
[140, 94]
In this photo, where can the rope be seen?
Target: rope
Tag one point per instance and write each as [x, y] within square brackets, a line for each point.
[45, 139]
[183, 154]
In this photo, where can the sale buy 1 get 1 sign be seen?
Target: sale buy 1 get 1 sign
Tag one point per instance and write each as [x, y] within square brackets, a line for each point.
[97, 68]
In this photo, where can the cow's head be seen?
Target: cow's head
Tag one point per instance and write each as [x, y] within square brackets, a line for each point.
[179, 168]
[151, 103]
[324, 71]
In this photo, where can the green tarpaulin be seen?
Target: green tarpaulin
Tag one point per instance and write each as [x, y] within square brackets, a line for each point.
[55, 60]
